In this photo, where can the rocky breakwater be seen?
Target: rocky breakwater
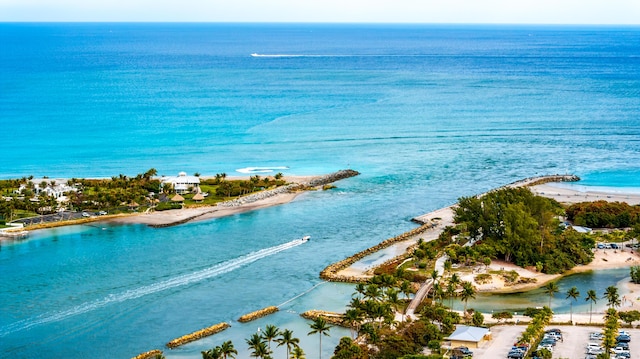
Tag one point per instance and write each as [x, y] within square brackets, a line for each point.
[329, 317]
[262, 195]
[197, 335]
[257, 314]
[330, 273]
[150, 354]
[293, 187]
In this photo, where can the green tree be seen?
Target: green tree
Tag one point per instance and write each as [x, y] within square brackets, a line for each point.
[297, 353]
[352, 319]
[227, 350]
[213, 353]
[321, 327]
[287, 339]
[572, 293]
[612, 296]
[592, 297]
[629, 316]
[270, 332]
[477, 319]
[551, 289]
[348, 349]
[468, 292]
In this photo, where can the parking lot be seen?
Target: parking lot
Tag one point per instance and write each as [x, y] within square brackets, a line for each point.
[573, 344]
[575, 339]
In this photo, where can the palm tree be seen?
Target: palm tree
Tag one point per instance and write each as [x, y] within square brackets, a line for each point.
[260, 350]
[213, 353]
[434, 275]
[270, 332]
[227, 349]
[612, 296]
[468, 292]
[286, 338]
[450, 292]
[360, 288]
[352, 318]
[551, 289]
[437, 291]
[572, 293]
[254, 341]
[593, 297]
[321, 327]
[373, 292]
[297, 353]
[405, 288]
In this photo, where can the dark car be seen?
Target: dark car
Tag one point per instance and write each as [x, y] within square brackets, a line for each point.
[623, 338]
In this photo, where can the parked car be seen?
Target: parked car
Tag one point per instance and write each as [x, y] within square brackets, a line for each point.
[622, 338]
[596, 336]
[85, 214]
[102, 213]
[464, 351]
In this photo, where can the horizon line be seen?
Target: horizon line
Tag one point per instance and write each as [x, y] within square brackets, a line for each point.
[315, 23]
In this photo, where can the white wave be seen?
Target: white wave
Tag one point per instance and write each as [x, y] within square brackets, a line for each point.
[249, 170]
[178, 281]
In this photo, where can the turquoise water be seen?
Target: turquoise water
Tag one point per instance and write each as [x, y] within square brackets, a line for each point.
[518, 302]
[426, 113]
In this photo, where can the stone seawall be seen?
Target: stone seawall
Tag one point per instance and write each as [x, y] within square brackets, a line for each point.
[197, 335]
[149, 354]
[330, 273]
[329, 317]
[258, 314]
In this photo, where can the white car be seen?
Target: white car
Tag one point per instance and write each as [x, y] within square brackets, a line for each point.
[619, 350]
[85, 214]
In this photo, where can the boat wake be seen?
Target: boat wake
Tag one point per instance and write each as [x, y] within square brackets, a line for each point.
[248, 170]
[178, 281]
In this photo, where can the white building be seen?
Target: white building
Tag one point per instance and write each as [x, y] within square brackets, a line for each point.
[182, 183]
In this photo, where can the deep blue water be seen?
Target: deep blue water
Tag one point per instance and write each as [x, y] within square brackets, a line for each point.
[426, 113]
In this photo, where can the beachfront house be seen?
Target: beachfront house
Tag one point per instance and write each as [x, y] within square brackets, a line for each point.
[182, 183]
[468, 336]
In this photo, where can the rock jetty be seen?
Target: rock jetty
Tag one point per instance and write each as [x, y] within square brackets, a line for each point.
[149, 354]
[258, 314]
[254, 197]
[329, 317]
[330, 273]
[198, 335]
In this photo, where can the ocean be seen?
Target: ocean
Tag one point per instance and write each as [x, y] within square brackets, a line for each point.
[426, 113]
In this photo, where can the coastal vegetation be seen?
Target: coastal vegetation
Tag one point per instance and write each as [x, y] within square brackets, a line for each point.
[517, 226]
[603, 214]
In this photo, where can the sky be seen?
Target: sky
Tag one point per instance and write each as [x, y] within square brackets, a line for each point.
[607, 12]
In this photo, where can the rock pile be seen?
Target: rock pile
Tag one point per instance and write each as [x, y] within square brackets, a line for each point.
[329, 317]
[197, 335]
[149, 354]
[257, 314]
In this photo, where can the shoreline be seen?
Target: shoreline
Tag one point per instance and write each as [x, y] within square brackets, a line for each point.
[296, 186]
[355, 269]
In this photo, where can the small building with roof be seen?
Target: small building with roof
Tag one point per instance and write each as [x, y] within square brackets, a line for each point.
[468, 336]
[182, 183]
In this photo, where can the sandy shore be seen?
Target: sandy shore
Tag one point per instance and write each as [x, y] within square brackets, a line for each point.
[209, 212]
[203, 213]
[569, 195]
[603, 259]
